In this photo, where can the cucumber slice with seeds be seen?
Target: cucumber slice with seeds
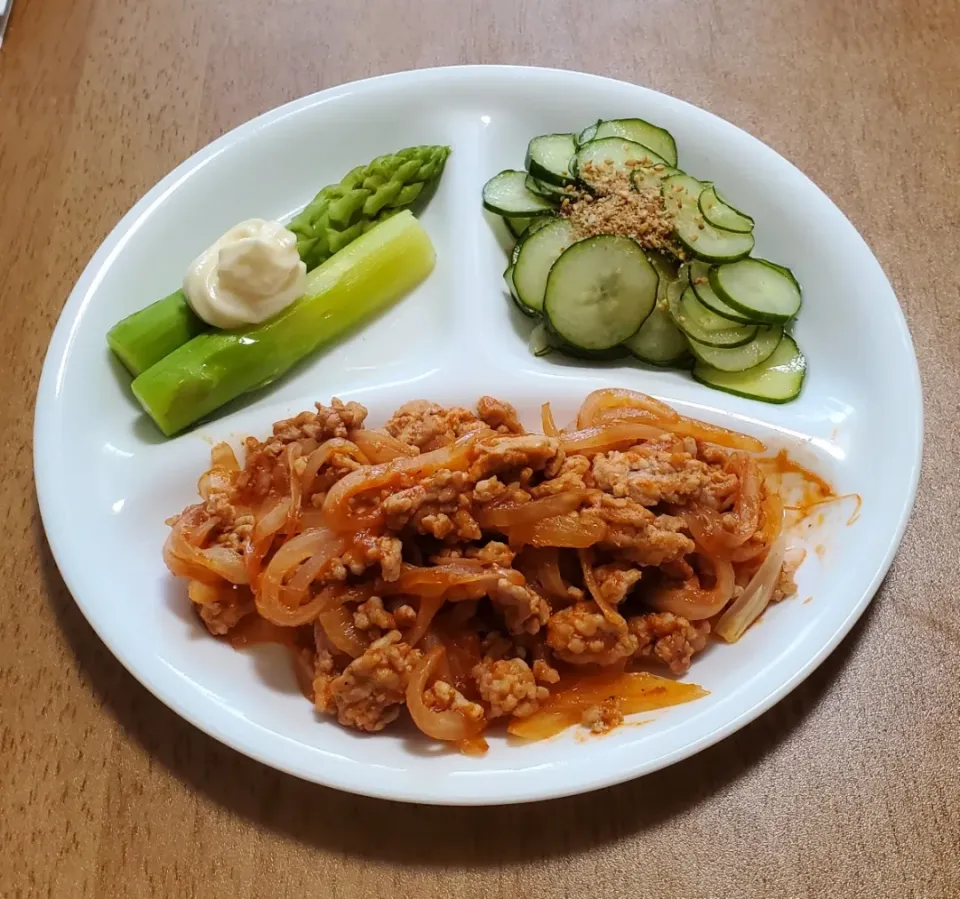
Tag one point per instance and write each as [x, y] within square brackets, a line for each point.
[549, 157]
[657, 139]
[708, 328]
[759, 289]
[599, 292]
[538, 252]
[700, 282]
[596, 158]
[779, 379]
[742, 357]
[723, 215]
[506, 194]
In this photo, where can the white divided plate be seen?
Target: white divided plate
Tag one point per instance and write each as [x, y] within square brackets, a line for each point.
[105, 498]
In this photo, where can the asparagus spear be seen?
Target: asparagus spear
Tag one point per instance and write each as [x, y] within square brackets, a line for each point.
[218, 366]
[150, 334]
[339, 214]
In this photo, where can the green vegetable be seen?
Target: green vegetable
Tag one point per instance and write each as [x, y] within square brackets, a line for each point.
[150, 334]
[218, 366]
[339, 214]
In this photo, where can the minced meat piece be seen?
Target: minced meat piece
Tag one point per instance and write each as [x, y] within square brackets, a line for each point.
[371, 691]
[616, 579]
[649, 474]
[669, 638]
[428, 426]
[372, 614]
[508, 686]
[444, 697]
[786, 585]
[603, 716]
[335, 420]
[523, 609]
[224, 614]
[493, 553]
[499, 416]
[582, 635]
[641, 536]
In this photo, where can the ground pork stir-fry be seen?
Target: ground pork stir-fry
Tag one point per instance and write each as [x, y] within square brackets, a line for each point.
[453, 565]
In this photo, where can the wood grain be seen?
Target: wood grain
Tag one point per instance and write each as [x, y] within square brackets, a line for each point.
[849, 787]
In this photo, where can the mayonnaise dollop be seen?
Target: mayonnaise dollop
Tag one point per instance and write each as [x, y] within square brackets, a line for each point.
[247, 276]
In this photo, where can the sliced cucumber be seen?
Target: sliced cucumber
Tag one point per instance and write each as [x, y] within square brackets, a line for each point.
[508, 278]
[540, 343]
[596, 158]
[588, 133]
[657, 139]
[506, 194]
[778, 379]
[599, 292]
[700, 282]
[549, 157]
[757, 288]
[538, 253]
[646, 177]
[516, 226]
[576, 352]
[680, 191]
[659, 341]
[742, 357]
[708, 328]
[723, 215]
[668, 270]
[681, 194]
[532, 225]
[515, 252]
[548, 191]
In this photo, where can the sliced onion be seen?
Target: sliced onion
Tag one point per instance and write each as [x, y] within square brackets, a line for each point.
[336, 505]
[756, 595]
[270, 517]
[770, 528]
[590, 581]
[429, 606]
[601, 438]
[549, 425]
[691, 600]
[321, 455]
[379, 446]
[513, 514]
[184, 556]
[450, 726]
[572, 531]
[223, 456]
[548, 572]
[337, 624]
[449, 580]
[285, 606]
[617, 404]
[293, 513]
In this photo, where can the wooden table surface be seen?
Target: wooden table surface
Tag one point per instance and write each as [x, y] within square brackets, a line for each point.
[849, 787]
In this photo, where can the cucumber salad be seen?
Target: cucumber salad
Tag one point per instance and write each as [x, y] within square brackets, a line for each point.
[618, 251]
